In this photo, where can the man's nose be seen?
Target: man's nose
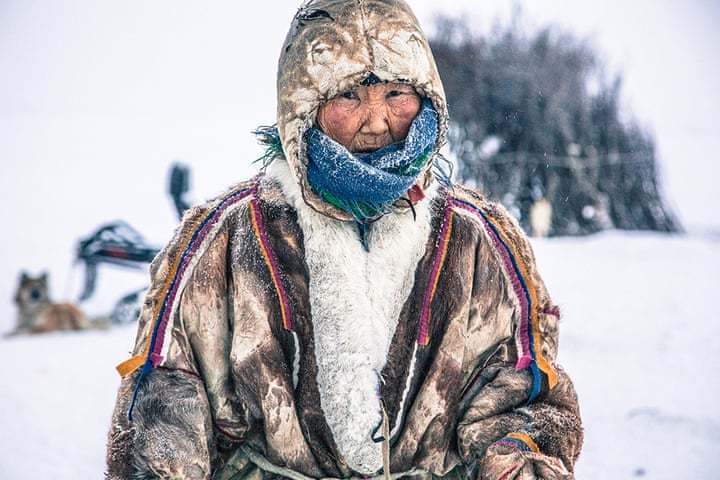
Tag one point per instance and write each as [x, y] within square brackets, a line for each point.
[375, 121]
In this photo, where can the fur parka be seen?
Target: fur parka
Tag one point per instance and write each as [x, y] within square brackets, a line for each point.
[272, 344]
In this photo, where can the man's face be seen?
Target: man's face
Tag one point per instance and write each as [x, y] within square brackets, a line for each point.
[370, 117]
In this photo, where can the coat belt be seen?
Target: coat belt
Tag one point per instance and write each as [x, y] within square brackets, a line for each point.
[264, 464]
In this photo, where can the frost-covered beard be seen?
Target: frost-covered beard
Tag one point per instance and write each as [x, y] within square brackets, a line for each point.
[355, 299]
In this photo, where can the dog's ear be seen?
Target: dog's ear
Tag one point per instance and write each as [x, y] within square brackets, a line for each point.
[23, 280]
[44, 277]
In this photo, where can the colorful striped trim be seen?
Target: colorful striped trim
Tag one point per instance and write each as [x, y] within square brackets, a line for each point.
[527, 334]
[271, 262]
[553, 310]
[423, 337]
[521, 441]
[155, 343]
[192, 240]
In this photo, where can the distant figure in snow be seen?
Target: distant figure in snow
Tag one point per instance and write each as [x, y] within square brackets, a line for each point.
[38, 314]
[349, 312]
[541, 217]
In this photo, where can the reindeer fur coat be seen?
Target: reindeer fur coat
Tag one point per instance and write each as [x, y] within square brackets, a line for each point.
[272, 344]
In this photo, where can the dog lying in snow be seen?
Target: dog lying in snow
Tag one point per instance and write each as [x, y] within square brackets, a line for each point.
[38, 314]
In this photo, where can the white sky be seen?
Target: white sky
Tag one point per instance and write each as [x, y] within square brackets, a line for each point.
[98, 97]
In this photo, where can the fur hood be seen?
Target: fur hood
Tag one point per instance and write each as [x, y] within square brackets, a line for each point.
[331, 47]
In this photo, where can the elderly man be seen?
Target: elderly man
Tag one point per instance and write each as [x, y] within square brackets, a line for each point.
[348, 312]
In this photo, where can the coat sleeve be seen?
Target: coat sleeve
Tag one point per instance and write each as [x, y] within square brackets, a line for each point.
[503, 432]
[182, 409]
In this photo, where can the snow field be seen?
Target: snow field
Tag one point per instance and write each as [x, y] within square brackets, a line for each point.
[639, 338]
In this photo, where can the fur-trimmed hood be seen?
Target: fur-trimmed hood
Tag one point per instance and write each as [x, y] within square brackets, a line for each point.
[331, 47]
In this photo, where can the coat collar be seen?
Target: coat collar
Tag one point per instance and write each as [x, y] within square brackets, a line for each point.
[400, 375]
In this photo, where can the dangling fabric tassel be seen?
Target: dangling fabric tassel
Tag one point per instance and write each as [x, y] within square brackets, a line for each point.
[143, 373]
[363, 231]
[386, 441]
[268, 136]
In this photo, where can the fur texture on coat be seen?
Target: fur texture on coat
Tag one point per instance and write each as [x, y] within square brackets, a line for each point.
[270, 340]
[347, 284]
[234, 371]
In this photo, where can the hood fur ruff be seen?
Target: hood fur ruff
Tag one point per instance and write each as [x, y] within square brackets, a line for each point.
[331, 47]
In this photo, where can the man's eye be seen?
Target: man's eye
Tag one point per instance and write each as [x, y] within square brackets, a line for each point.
[394, 93]
[350, 95]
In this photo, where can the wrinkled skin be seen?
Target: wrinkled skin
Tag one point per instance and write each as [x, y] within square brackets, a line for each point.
[331, 47]
[370, 117]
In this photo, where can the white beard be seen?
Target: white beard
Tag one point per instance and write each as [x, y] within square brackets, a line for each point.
[355, 300]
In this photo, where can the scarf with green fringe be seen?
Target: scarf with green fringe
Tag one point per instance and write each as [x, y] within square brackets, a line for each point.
[365, 185]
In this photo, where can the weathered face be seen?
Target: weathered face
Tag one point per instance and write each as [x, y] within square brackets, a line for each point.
[370, 117]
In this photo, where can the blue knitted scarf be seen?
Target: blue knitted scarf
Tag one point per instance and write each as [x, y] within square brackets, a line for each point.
[365, 185]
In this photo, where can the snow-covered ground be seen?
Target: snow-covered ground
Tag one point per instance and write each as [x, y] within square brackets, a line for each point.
[639, 337]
